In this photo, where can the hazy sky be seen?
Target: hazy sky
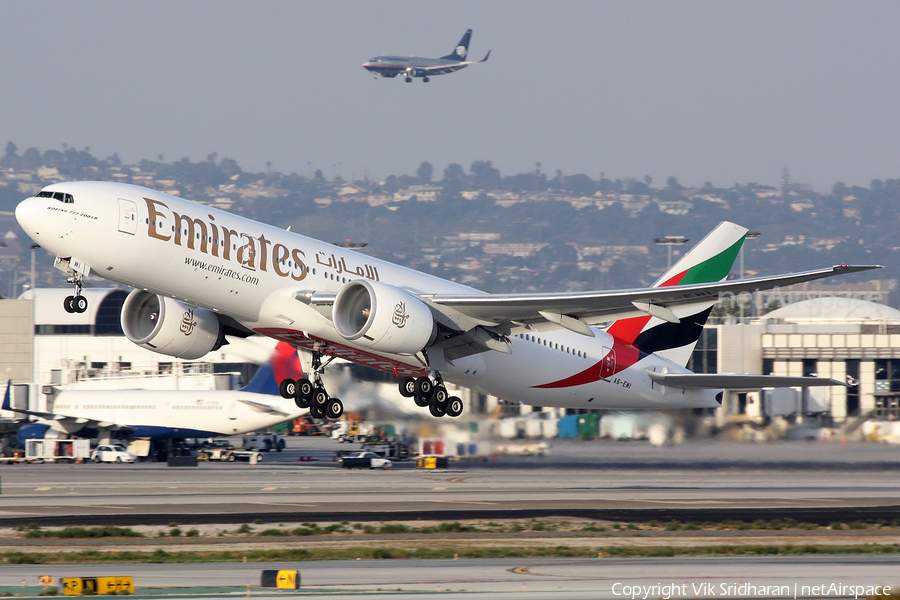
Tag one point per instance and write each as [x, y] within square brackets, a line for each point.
[720, 91]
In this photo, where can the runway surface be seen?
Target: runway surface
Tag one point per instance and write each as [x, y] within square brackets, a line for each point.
[813, 482]
[505, 578]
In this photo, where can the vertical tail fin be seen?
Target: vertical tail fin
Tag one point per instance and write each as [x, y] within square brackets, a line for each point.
[283, 364]
[462, 48]
[707, 262]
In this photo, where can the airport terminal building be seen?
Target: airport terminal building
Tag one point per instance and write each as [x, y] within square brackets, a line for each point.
[843, 338]
[42, 344]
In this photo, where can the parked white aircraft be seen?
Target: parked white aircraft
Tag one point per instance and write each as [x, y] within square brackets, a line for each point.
[201, 273]
[172, 414]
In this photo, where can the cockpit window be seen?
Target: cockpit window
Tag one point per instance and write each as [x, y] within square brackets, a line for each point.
[64, 198]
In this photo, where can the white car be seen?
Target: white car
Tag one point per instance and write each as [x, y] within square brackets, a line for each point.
[377, 461]
[112, 453]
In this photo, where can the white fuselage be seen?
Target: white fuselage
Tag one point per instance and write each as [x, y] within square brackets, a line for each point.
[251, 272]
[170, 413]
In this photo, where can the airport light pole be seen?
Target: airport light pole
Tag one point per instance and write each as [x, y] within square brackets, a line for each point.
[668, 242]
[34, 374]
[751, 235]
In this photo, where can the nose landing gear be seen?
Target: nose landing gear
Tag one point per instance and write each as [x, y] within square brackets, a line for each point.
[76, 303]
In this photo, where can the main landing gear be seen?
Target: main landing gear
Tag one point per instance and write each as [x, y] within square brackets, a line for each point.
[76, 303]
[431, 393]
[312, 394]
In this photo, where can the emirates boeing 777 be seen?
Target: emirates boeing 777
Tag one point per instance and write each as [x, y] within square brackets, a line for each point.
[201, 274]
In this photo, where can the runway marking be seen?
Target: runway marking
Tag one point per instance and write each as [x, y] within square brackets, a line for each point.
[43, 489]
[438, 489]
[810, 499]
[268, 489]
[285, 504]
[106, 506]
[469, 502]
[680, 501]
[458, 479]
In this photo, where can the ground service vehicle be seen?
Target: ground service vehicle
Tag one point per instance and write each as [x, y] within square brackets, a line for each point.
[365, 460]
[112, 453]
[264, 442]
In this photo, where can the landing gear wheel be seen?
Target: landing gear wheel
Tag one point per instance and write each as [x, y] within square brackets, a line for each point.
[436, 411]
[80, 304]
[454, 406]
[287, 388]
[315, 412]
[420, 401]
[319, 398]
[69, 304]
[407, 387]
[335, 409]
[409, 80]
[425, 80]
[424, 387]
[304, 389]
[439, 396]
[301, 402]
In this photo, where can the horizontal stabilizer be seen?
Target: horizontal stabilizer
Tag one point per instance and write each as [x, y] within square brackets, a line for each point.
[731, 381]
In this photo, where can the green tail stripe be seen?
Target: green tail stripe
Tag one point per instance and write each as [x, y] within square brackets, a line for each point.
[716, 268]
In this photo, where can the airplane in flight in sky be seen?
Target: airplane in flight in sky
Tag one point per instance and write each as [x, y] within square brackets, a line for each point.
[201, 274]
[417, 66]
[172, 414]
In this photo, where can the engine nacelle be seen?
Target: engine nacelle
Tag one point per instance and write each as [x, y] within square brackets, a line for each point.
[169, 327]
[382, 317]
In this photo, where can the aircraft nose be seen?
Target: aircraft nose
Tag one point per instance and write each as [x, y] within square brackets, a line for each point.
[27, 213]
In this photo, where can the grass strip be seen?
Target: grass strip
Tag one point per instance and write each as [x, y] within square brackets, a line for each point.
[301, 554]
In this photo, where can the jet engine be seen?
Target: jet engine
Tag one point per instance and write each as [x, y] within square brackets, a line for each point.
[169, 327]
[382, 317]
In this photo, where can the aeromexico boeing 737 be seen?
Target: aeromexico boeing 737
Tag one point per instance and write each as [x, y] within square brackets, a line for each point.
[417, 66]
[200, 274]
[172, 414]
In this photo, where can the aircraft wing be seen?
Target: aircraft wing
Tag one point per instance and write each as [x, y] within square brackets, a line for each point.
[262, 407]
[483, 321]
[450, 68]
[730, 381]
[574, 310]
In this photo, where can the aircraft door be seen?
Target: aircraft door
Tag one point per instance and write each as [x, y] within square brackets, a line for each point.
[232, 414]
[127, 216]
[608, 363]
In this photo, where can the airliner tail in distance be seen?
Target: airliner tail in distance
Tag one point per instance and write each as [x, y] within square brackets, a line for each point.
[462, 48]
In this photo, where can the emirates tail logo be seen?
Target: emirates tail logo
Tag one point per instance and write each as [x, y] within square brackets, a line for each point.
[188, 323]
[400, 315]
